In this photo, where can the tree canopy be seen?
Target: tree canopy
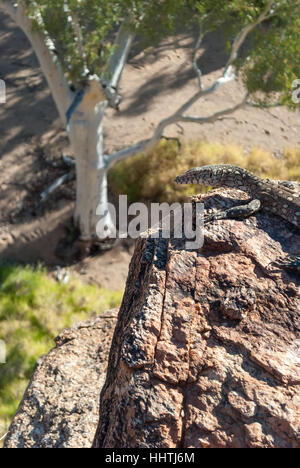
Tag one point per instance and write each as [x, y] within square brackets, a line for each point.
[83, 46]
[81, 32]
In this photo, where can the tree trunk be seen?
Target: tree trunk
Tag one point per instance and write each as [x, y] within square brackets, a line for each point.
[85, 126]
[91, 170]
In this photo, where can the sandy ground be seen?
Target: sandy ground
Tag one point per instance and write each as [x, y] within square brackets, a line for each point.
[153, 86]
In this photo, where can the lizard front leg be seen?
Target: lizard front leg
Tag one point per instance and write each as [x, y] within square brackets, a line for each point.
[290, 263]
[237, 212]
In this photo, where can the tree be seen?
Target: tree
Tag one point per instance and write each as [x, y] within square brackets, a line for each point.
[83, 46]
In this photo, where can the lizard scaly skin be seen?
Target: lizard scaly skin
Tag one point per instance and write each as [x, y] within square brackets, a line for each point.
[276, 198]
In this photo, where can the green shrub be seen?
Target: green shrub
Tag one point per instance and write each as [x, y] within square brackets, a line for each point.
[34, 308]
[151, 176]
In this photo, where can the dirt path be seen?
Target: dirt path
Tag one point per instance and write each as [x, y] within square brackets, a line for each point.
[32, 141]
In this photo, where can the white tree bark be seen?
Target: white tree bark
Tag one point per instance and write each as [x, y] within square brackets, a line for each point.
[86, 136]
[47, 59]
[117, 61]
[86, 139]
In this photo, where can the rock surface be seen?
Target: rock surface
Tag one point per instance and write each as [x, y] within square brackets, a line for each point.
[60, 408]
[206, 350]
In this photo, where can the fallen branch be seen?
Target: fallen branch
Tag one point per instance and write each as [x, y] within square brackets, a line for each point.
[57, 183]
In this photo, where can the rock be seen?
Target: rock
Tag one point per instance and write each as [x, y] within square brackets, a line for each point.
[60, 408]
[206, 350]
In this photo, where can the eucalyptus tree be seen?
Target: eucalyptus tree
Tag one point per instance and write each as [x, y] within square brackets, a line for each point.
[83, 46]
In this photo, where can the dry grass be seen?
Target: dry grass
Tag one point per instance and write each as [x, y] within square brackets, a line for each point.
[150, 176]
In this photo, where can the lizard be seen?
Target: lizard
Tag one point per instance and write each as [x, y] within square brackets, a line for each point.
[276, 197]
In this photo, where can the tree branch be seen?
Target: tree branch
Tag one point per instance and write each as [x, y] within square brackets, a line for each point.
[116, 63]
[112, 75]
[241, 37]
[146, 145]
[47, 59]
[195, 65]
[118, 59]
[10, 8]
[78, 33]
[57, 183]
[179, 116]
